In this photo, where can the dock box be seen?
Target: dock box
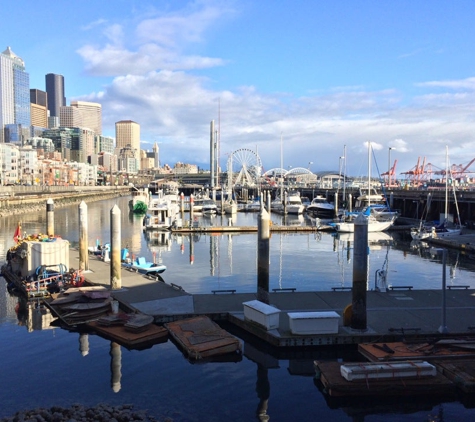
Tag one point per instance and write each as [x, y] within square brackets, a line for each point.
[262, 314]
[304, 323]
[54, 254]
[381, 370]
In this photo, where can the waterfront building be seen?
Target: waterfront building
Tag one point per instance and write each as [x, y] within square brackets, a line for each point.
[14, 94]
[107, 161]
[127, 135]
[9, 157]
[82, 144]
[182, 168]
[39, 143]
[28, 166]
[56, 94]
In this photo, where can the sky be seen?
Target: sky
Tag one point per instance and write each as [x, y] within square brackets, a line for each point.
[292, 83]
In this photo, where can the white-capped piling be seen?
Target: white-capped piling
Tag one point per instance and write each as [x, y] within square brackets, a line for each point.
[50, 217]
[83, 240]
[285, 202]
[269, 201]
[116, 275]
[191, 209]
[263, 247]
[360, 274]
[84, 344]
[335, 205]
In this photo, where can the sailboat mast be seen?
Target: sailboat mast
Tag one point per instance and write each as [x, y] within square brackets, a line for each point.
[446, 181]
[281, 169]
[369, 173]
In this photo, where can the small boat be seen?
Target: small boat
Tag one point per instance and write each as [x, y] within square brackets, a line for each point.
[320, 207]
[139, 201]
[209, 207]
[162, 211]
[293, 203]
[433, 232]
[141, 265]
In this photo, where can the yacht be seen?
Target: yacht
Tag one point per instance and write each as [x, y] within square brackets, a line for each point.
[320, 207]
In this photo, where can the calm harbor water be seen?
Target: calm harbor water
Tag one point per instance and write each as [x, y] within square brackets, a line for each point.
[43, 365]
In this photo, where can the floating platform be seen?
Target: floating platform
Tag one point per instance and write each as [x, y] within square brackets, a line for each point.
[379, 352]
[460, 372]
[201, 338]
[131, 340]
[329, 374]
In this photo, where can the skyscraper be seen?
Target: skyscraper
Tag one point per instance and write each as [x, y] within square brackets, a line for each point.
[91, 114]
[14, 93]
[55, 91]
[39, 108]
[127, 132]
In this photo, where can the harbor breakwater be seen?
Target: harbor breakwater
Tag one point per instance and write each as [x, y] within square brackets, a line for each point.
[36, 202]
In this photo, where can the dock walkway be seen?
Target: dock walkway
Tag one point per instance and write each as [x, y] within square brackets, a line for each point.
[391, 315]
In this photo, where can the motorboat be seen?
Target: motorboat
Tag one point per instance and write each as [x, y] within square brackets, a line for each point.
[162, 211]
[320, 207]
[209, 207]
[142, 266]
[230, 207]
[290, 204]
[139, 201]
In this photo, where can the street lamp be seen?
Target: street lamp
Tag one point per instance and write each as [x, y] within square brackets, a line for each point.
[389, 165]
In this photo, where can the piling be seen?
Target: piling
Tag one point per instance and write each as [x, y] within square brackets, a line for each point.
[269, 201]
[335, 205]
[50, 217]
[285, 202]
[360, 274]
[116, 366]
[263, 255]
[115, 275]
[191, 210]
[83, 241]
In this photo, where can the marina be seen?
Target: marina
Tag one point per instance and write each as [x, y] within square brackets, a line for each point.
[209, 274]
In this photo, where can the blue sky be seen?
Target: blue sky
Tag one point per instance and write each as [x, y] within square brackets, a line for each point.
[322, 77]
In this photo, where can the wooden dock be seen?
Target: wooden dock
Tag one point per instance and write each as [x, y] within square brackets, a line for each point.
[201, 338]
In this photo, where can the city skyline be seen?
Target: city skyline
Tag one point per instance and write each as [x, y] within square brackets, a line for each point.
[325, 78]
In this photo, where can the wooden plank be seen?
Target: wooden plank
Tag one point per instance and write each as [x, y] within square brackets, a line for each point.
[336, 385]
[200, 337]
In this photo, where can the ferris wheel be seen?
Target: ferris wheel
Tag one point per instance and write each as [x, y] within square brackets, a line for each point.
[244, 167]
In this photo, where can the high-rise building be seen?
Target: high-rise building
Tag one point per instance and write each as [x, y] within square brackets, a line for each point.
[55, 91]
[127, 133]
[39, 108]
[91, 114]
[70, 117]
[14, 92]
[127, 136]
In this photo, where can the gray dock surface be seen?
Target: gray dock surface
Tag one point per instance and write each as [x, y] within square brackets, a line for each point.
[391, 315]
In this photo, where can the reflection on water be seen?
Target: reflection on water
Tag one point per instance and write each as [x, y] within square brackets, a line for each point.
[269, 383]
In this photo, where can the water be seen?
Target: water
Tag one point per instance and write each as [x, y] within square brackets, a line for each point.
[51, 366]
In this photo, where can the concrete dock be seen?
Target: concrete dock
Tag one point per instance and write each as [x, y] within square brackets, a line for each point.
[391, 316]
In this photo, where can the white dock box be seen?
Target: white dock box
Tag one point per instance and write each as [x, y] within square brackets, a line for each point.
[382, 370]
[314, 322]
[262, 314]
[54, 254]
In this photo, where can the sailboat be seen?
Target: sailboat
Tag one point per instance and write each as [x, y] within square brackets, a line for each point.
[441, 230]
[374, 224]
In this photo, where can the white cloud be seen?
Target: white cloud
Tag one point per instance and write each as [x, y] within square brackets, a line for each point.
[152, 85]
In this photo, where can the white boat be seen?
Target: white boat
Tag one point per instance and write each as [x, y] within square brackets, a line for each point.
[320, 207]
[162, 211]
[209, 207]
[374, 224]
[292, 205]
[139, 201]
[230, 207]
